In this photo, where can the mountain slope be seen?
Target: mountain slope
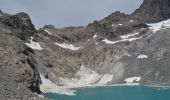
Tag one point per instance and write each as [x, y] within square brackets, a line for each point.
[119, 49]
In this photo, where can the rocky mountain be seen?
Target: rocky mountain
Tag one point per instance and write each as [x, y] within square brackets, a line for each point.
[153, 11]
[19, 76]
[119, 49]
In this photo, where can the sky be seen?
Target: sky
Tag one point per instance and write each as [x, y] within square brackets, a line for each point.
[62, 13]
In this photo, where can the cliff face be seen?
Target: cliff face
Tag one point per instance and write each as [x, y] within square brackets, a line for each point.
[18, 72]
[153, 11]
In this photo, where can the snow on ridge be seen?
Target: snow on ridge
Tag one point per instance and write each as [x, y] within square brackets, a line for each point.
[154, 27]
[129, 35]
[68, 46]
[34, 45]
[132, 80]
[142, 57]
[47, 31]
[118, 41]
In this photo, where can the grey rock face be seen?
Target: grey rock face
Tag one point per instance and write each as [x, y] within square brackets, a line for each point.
[20, 25]
[18, 69]
[153, 11]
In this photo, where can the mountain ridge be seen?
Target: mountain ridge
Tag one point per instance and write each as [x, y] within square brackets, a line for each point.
[105, 52]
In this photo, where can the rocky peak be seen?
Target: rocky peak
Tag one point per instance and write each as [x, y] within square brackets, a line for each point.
[116, 17]
[1, 12]
[153, 11]
[21, 23]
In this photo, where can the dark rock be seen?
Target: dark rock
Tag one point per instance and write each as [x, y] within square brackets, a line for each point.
[153, 11]
[20, 22]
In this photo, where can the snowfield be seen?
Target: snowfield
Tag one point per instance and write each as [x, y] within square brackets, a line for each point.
[47, 31]
[122, 40]
[85, 77]
[160, 25]
[49, 86]
[34, 45]
[68, 46]
[132, 80]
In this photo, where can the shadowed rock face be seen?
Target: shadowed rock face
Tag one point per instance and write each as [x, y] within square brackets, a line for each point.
[153, 11]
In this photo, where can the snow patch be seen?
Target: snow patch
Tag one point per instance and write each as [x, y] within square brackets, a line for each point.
[131, 21]
[160, 25]
[123, 40]
[68, 46]
[142, 57]
[120, 24]
[47, 31]
[132, 80]
[95, 36]
[34, 45]
[129, 35]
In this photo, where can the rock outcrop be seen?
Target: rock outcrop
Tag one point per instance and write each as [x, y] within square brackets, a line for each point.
[153, 11]
[18, 70]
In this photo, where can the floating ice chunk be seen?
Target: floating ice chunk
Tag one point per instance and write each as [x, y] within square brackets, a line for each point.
[95, 36]
[47, 31]
[129, 35]
[68, 46]
[132, 80]
[142, 56]
[160, 25]
[34, 45]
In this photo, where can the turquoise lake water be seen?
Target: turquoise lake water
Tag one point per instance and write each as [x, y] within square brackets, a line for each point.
[116, 93]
